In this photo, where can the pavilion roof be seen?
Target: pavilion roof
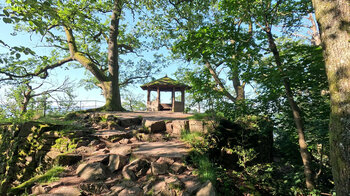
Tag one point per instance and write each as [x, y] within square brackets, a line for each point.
[164, 84]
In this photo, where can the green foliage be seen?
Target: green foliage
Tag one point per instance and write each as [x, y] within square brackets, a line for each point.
[201, 116]
[89, 23]
[133, 102]
[64, 145]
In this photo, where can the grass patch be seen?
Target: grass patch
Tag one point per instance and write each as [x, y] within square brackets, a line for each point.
[205, 169]
[48, 177]
[196, 139]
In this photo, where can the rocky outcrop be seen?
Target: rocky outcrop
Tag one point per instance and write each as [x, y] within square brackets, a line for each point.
[27, 146]
[121, 158]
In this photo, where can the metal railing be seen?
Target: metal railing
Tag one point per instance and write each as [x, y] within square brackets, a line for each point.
[62, 107]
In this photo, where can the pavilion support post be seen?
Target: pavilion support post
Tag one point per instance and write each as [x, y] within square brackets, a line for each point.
[148, 95]
[149, 104]
[183, 99]
[158, 98]
[173, 100]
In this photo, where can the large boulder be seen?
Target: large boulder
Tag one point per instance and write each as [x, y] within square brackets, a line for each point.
[113, 135]
[132, 191]
[121, 150]
[155, 126]
[170, 186]
[197, 126]
[116, 189]
[177, 168]
[179, 126]
[159, 168]
[128, 174]
[174, 183]
[206, 190]
[91, 171]
[110, 117]
[166, 160]
[66, 190]
[94, 188]
[117, 162]
[68, 159]
[258, 135]
[135, 169]
[101, 158]
[169, 127]
[40, 189]
[161, 188]
[127, 122]
[114, 125]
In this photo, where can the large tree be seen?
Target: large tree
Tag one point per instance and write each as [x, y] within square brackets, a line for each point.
[333, 18]
[267, 16]
[81, 31]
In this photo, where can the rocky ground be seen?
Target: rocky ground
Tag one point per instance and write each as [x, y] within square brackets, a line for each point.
[130, 154]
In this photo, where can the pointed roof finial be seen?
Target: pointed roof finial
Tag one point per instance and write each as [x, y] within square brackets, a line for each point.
[166, 75]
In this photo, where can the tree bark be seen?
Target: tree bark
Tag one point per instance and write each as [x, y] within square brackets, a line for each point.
[333, 18]
[113, 101]
[305, 155]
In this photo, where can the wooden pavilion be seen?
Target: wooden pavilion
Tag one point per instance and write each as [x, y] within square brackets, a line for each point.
[168, 85]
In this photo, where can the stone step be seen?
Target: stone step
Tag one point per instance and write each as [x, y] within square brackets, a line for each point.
[176, 150]
[113, 135]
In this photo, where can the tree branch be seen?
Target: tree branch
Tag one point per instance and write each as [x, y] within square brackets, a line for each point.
[81, 58]
[219, 83]
[128, 80]
[44, 70]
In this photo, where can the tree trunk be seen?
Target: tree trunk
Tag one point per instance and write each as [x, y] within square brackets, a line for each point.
[305, 155]
[109, 84]
[26, 98]
[333, 18]
[239, 88]
[113, 100]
